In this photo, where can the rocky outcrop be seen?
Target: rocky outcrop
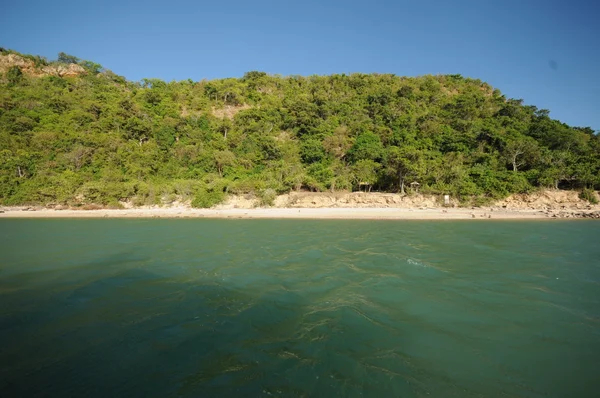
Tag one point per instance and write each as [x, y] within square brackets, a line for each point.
[546, 200]
[594, 214]
[8, 61]
[574, 214]
[354, 199]
[29, 68]
[338, 199]
[70, 70]
[552, 204]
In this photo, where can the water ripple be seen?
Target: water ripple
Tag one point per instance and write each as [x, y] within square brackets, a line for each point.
[299, 308]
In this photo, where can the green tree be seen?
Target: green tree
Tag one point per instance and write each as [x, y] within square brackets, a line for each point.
[67, 59]
[367, 146]
[403, 163]
[521, 151]
[339, 143]
[224, 159]
[365, 173]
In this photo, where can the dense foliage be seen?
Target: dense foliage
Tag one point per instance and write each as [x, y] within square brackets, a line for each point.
[98, 138]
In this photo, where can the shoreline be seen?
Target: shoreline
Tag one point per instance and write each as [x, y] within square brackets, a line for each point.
[369, 213]
[548, 204]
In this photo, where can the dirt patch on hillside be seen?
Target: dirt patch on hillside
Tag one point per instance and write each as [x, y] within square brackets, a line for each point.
[229, 111]
[28, 67]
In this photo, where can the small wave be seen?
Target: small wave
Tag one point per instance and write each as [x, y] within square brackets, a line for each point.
[415, 262]
[355, 268]
[422, 264]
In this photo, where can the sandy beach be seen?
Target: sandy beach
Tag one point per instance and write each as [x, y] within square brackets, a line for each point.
[291, 213]
[379, 206]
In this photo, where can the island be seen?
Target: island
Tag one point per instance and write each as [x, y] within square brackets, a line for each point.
[79, 140]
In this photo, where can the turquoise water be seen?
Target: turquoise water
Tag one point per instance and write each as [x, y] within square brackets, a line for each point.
[219, 308]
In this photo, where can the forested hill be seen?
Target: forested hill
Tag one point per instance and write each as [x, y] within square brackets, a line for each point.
[73, 133]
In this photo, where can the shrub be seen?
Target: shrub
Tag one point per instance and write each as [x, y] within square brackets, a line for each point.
[589, 195]
[481, 200]
[267, 197]
[14, 75]
[114, 204]
[206, 199]
[517, 183]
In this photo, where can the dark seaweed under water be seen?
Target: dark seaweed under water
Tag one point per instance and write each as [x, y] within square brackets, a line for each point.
[218, 308]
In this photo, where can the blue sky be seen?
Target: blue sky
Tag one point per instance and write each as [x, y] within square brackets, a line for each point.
[545, 52]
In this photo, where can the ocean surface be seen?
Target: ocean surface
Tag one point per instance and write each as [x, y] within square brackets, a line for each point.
[292, 308]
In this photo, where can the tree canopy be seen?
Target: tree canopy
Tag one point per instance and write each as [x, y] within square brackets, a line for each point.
[98, 138]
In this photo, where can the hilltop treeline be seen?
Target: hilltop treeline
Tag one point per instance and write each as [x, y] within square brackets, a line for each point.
[98, 138]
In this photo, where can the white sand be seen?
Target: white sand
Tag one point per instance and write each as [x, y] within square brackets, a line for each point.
[304, 213]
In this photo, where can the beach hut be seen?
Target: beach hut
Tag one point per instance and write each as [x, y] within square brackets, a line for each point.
[367, 185]
[415, 186]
